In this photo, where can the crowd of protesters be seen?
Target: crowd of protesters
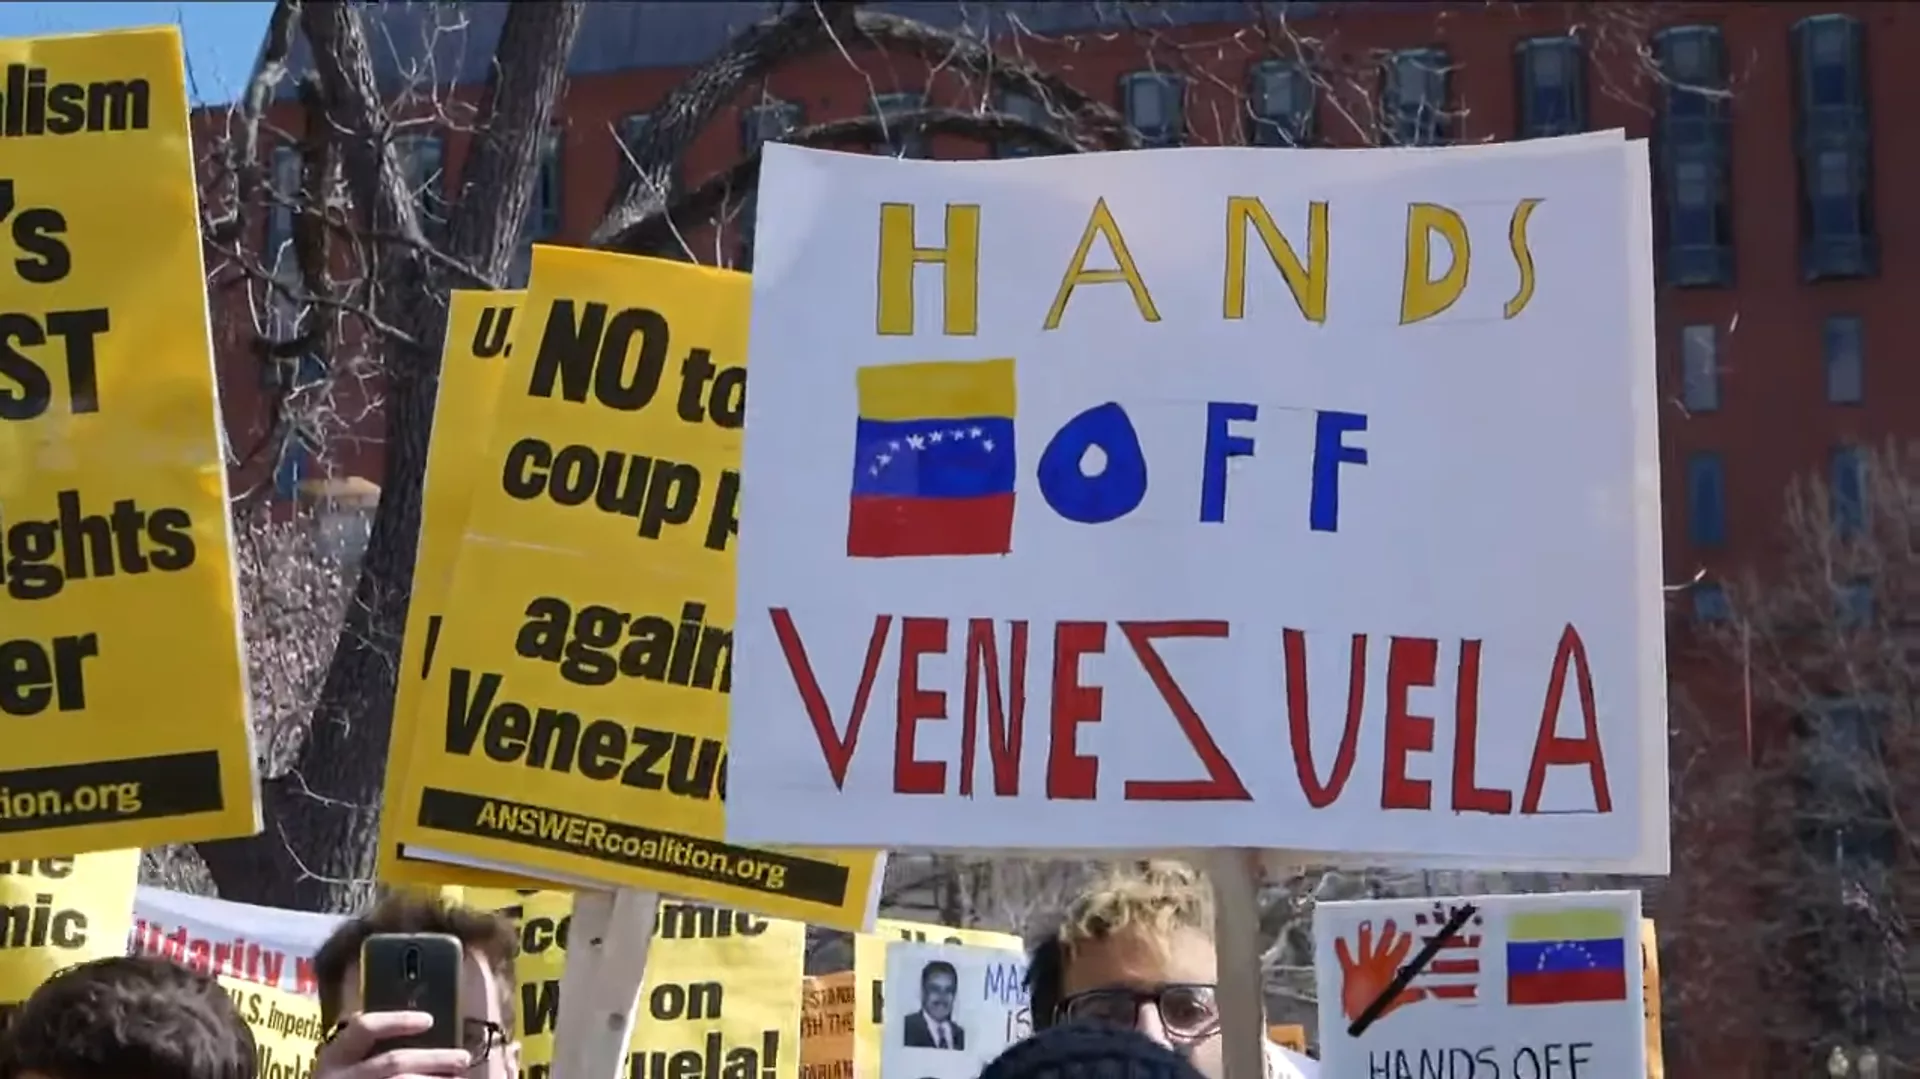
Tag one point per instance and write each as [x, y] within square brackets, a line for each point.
[1124, 987]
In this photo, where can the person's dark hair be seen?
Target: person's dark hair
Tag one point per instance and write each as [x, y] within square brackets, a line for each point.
[483, 932]
[1045, 971]
[128, 1016]
[938, 966]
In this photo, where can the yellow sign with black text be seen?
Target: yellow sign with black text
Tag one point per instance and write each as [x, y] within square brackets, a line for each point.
[870, 972]
[1650, 979]
[122, 686]
[61, 911]
[478, 350]
[721, 998]
[286, 1027]
[574, 721]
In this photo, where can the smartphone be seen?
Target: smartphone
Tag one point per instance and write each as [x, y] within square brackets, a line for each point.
[415, 972]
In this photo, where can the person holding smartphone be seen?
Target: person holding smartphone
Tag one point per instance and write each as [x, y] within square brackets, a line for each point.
[387, 1044]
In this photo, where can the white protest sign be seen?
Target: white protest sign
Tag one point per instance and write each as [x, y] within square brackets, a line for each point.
[949, 1009]
[1210, 496]
[1528, 987]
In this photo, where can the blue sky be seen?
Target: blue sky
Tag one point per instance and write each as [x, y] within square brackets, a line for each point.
[222, 38]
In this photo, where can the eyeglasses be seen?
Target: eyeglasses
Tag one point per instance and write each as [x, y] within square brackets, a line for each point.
[480, 1036]
[477, 1036]
[1189, 1011]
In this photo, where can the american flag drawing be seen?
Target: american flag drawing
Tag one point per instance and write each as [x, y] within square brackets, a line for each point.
[1454, 973]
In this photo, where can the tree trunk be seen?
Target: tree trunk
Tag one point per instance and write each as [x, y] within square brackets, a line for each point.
[322, 815]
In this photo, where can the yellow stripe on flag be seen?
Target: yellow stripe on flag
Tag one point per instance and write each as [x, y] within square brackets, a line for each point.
[1572, 923]
[937, 391]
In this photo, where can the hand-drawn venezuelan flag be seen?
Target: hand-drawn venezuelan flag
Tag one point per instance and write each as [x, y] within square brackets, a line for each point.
[933, 461]
[1568, 956]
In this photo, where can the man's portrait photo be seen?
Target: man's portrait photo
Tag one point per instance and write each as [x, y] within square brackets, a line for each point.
[932, 1027]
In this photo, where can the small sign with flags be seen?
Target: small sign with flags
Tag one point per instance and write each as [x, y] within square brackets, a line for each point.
[1538, 985]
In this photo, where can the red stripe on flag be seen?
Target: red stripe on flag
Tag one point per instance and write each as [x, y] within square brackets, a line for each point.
[1566, 987]
[885, 527]
[1451, 992]
[1454, 966]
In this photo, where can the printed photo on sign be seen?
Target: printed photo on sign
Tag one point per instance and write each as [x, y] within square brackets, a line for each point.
[1068, 507]
[950, 1009]
[117, 587]
[573, 721]
[870, 971]
[1547, 985]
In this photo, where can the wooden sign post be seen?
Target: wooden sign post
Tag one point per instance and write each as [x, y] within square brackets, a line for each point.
[1236, 935]
[600, 987]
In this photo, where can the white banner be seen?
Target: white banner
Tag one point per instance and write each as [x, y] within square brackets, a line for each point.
[259, 944]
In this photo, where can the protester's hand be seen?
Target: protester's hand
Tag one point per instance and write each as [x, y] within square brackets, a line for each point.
[1364, 977]
[345, 1055]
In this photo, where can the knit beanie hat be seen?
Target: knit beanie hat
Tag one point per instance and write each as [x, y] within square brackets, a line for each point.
[1089, 1051]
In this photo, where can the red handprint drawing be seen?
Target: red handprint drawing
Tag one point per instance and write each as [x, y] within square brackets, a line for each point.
[1364, 977]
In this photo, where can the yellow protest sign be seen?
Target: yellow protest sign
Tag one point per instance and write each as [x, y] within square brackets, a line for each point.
[286, 1027]
[721, 999]
[117, 582]
[472, 365]
[581, 676]
[870, 972]
[1290, 1035]
[827, 1026]
[1650, 973]
[58, 912]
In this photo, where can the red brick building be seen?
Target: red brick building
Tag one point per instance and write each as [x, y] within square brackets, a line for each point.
[1779, 314]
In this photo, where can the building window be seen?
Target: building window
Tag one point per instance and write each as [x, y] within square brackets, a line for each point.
[1848, 494]
[1843, 356]
[1838, 238]
[1710, 602]
[1553, 87]
[291, 471]
[520, 266]
[1853, 603]
[903, 138]
[1706, 500]
[1413, 98]
[422, 164]
[633, 131]
[1022, 107]
[543, 212]
[277, 252]
[1694, 156]
[1284, 101]
[1700, 368]
[1844, 812]
[1155, 104]
[767, 122]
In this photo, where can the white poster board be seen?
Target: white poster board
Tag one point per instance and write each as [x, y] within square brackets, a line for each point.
[949, 1009]
[1302, 500]
[1529, 987]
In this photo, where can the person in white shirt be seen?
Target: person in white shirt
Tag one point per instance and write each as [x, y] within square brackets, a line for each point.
[1136, 949]
[932, 1027]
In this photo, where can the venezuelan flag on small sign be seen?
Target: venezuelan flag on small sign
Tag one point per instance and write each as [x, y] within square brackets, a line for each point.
[933, 461]
[1570, 956]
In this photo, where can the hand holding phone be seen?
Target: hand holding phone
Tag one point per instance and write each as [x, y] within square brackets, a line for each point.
[411, 1023]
